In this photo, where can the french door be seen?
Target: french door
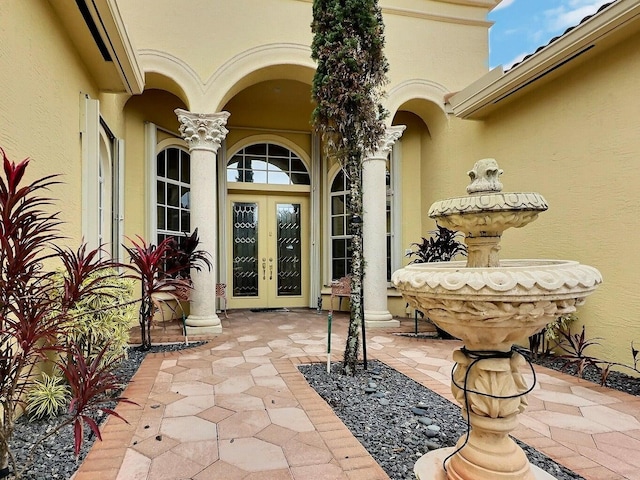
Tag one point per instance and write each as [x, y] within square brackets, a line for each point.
[268, 265]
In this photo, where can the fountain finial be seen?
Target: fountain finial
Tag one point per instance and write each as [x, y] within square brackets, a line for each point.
[484, 177]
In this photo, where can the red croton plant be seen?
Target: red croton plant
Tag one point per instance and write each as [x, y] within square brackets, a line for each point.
[32, 316]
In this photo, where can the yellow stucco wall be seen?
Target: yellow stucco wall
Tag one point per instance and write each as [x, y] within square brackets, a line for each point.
[41, 80]
[449, 40]
[153, 106]
[574, 139]
[206, 33]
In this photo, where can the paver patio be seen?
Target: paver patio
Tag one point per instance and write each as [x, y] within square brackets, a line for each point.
[237, 408]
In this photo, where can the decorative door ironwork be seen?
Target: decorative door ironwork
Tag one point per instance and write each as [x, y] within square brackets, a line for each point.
[245, 249]
[289, 249]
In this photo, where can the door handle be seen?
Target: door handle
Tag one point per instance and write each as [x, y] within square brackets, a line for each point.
[264, 268]
[270, 268]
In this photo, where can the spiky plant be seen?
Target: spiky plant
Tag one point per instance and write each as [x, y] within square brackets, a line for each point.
[348, 46]
[442, 246]
[32, 317]
[48, 397]
[183, 254]
[103, 317]
[157, 269]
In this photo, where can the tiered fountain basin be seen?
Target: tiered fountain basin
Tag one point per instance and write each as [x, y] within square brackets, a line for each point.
[495, 307]
[490, 304]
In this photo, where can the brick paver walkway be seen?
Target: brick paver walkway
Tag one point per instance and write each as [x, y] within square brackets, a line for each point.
[237, 408]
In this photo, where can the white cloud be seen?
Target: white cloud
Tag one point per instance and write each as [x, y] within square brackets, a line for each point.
[503, 4]
[571, 14]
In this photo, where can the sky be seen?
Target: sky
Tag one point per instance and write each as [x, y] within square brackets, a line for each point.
[521, 26]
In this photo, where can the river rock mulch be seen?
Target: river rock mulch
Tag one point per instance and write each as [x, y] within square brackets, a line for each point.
[55, 458]
[398, 420]
[616, 380]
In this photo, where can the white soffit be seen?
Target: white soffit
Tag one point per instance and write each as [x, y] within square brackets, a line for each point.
[98, 33]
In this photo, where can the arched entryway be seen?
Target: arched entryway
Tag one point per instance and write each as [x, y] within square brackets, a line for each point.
[267, 228]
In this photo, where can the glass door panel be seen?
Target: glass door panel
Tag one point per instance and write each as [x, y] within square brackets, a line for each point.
[289, 249]
[269, 264]
[245, 249]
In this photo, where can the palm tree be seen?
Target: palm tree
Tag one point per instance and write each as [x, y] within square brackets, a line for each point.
[352, 69]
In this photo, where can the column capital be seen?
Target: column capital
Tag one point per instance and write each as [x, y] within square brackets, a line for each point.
[390, 137]
[202, 131]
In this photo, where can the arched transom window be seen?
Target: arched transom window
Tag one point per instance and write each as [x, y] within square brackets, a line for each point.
[267, 163]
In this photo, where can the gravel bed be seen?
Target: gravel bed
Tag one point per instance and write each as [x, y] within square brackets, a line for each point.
[616, 380]
[398, 420]
[55, 458]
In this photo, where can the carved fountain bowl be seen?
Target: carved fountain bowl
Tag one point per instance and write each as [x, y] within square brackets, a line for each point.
[491, 308]
[488, 213]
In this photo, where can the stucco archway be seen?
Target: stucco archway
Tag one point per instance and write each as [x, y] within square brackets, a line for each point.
[285, 61]
[164, 71]
[422, 97]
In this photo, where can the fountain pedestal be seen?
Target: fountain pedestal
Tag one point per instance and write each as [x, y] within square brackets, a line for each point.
[490, 304]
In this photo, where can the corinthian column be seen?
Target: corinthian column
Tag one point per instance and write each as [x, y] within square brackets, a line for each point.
[203, 133]
[374, 204]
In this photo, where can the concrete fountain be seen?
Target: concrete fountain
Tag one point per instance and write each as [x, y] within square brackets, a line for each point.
[490, 304]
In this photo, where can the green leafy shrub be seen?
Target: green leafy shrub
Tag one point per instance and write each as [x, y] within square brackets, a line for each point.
[103, 317]
[48, 397]
[548, 338]
[442, 246]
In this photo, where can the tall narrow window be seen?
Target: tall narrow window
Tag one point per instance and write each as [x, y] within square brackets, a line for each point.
[109, 208]
[173, 183]
[340, 229]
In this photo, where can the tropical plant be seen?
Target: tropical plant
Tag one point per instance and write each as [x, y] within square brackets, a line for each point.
[573, 347]
[92, 384]
[158, 268]
[48, 397]
[32, 315]
[183, 253]
[442, 246]
[543, 342]
[103, 317]
[351, 70]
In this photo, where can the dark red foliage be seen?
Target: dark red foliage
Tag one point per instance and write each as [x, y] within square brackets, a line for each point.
[91, 385]
[158, 268]
[33, 314]
[183, 255]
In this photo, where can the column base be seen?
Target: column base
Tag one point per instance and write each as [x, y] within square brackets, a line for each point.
[211, 330]
[375, 319]
[204, 323]
[429, 467]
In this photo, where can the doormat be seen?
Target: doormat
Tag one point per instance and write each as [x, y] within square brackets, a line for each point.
[269, 310]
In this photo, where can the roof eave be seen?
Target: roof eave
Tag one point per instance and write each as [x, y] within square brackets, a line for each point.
[476, 100]
[98, 32]
[125, 55]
